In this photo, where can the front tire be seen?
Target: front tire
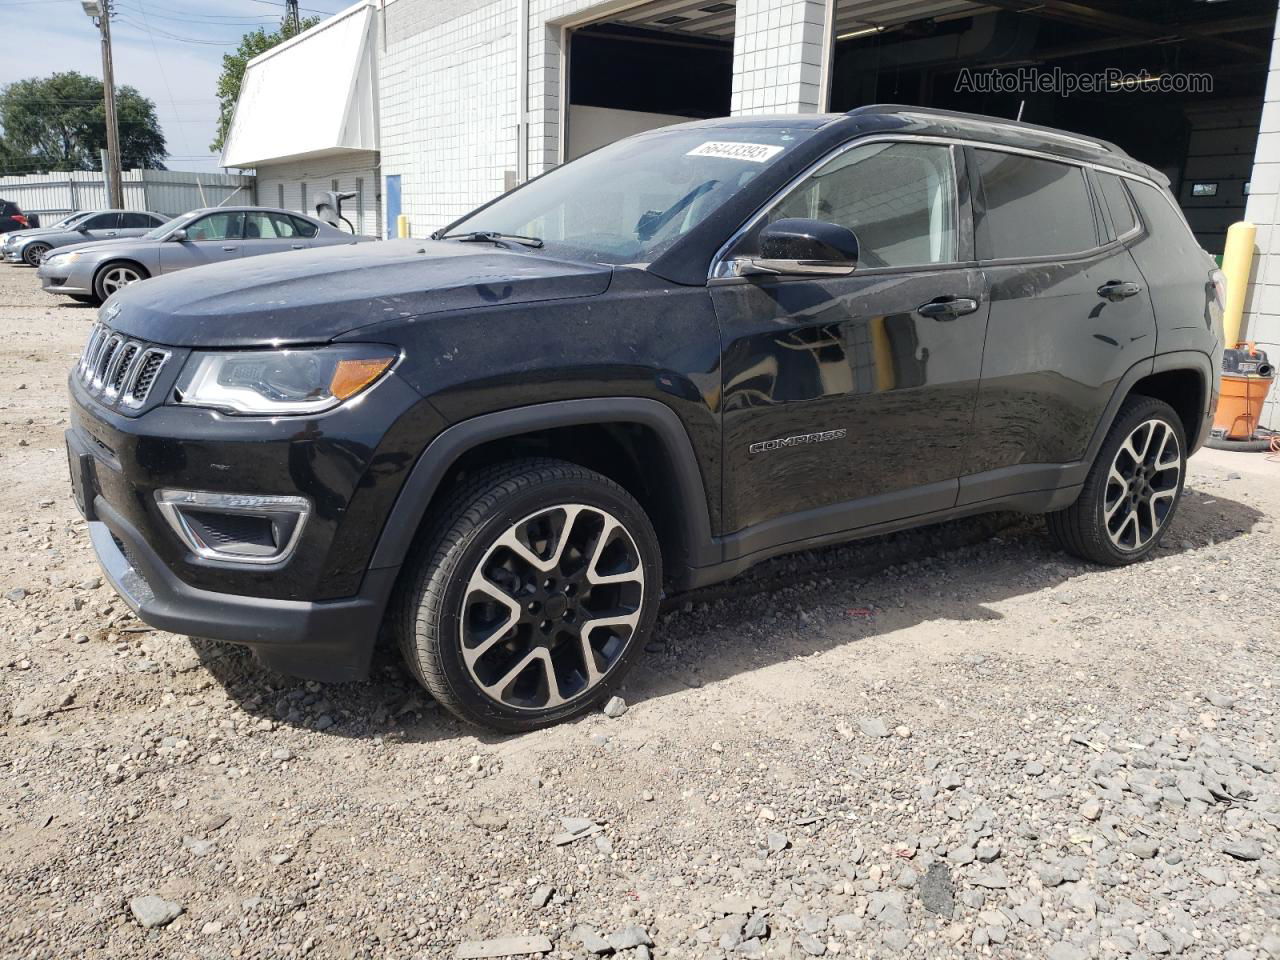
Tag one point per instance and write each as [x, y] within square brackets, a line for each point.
[1132, 490]
[33, 252]
[116, 276]
[531, 597]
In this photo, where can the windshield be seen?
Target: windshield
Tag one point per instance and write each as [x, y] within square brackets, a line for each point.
[73, 219]
[628, 202]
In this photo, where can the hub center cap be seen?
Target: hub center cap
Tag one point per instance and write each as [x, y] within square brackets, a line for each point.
[556, 606]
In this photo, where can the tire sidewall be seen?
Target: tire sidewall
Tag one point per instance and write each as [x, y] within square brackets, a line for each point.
[33, 253]
[1148, 409]
[462, 560]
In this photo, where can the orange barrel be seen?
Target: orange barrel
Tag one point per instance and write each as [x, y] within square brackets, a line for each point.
[1246, 379]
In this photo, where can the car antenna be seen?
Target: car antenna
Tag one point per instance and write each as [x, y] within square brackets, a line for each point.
[1022, 104]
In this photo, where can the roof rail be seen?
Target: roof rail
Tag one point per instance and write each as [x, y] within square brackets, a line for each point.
[1017, 126]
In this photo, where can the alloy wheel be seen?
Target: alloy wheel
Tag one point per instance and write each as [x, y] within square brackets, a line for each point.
[117, 278]
[1142, 485]
[551, 607]
[34, 253]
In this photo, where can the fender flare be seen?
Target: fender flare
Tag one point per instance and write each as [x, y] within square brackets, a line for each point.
[423, 482]
[1161, 363]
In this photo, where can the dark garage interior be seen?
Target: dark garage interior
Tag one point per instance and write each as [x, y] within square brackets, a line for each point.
[1204, 141]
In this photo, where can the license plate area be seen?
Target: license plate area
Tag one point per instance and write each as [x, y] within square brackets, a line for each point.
[80, 466]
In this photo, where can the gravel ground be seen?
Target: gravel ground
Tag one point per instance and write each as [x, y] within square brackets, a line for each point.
[985, 749]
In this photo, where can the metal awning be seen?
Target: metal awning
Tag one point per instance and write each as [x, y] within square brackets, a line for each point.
[312, 95]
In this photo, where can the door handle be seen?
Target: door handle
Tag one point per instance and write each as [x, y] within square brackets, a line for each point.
[947, 308]
[297, 246]
[229, 249]
[111, 233]
[1117, 290]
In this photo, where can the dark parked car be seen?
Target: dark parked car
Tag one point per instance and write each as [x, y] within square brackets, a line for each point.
[646, 371]
[12, 217]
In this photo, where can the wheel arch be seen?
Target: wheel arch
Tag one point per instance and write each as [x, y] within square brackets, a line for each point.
[638, 442]
[119, 261]
[1168, 375]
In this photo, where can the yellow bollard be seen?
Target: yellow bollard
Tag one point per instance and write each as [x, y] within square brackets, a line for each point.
[402, 226]
[1237, 262]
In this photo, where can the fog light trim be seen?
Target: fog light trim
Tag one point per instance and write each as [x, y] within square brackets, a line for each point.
[287, 516]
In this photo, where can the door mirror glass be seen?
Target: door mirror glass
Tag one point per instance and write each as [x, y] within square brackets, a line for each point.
[179, 235]
[797, 246]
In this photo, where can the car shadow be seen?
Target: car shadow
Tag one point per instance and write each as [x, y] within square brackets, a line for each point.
[391, 703]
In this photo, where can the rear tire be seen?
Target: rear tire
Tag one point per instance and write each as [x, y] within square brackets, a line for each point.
[1133, 488]
[529, 598]
[116, 276]
[33, 252]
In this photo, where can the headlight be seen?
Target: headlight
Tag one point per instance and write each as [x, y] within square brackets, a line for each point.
[275, 382]
[62, 258]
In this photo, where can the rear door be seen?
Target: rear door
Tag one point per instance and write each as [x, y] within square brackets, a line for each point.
[101, 226]
[212, 238]
[842, 398]
[135, 224]
[270, 233]
[1070, 314]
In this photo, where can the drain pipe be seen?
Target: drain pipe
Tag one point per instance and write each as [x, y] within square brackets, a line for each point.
[522, 92]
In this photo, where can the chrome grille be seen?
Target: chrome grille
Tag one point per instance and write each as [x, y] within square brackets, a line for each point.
[119, 369]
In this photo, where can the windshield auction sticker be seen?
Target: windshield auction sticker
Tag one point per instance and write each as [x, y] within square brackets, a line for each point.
[729, 150]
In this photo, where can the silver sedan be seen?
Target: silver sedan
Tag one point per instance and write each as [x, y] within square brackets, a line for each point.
[91, 272]
[30, 246]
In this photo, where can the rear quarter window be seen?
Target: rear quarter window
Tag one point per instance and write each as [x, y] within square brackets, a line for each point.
[1034, 208]
[305, 228]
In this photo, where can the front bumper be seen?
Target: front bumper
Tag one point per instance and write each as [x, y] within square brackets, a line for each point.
[330, 640]
[314, 615]
[66, 279]
[12, 255]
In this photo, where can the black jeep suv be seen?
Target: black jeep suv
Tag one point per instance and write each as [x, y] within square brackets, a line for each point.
[639, 373]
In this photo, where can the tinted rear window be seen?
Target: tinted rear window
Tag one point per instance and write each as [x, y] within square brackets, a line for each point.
[1034, 208]
[136, 221]
[1118, 205]
[305, 228]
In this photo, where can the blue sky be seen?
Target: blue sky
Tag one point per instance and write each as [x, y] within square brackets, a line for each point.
[171, 50]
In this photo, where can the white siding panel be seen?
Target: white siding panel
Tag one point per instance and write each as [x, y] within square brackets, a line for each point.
[318, 175]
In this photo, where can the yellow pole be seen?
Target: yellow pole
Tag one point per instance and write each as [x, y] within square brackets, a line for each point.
[402, 226]
[1237, 262]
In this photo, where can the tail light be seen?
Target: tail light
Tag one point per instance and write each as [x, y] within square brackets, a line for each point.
[21, 219]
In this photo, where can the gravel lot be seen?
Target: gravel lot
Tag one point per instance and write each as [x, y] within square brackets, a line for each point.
[986, 749]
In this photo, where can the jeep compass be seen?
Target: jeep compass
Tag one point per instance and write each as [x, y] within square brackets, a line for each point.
[640, 373]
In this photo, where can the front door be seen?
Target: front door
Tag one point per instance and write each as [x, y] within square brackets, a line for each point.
[848, 401]
[211, 239]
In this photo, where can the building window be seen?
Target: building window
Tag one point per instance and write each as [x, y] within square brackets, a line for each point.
[359, 204]
[304, 196]
[280, 186]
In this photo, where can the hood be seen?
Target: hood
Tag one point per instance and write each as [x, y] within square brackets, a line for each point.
[32, 232]
[90, 246]
[315, 295]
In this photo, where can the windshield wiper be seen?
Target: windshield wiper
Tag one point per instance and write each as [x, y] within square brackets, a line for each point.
[489, 236]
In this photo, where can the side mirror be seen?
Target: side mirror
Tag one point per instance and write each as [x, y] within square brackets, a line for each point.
[796, 247]
[81, 228]
[179, 235]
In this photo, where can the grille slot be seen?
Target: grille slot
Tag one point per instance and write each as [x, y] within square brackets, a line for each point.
[118, 369]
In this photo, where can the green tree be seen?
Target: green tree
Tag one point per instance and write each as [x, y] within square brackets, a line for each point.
[59, 123]
[233, 66]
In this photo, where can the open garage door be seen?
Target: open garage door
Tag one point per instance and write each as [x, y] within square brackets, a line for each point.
[647, 67]
[1177, 83]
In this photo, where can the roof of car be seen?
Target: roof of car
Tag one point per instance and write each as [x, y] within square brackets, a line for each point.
[926, 121]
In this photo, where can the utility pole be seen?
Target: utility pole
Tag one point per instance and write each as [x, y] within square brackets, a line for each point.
[100, 12]
[291, 18]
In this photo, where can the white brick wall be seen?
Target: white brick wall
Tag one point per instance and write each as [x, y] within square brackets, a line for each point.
[1262, 303]
[448, 105]
[777, 56]
[449, 89]
[357, 172]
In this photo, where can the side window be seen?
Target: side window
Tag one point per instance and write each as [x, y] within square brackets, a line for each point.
[103, 221]
[1034, 208]
[1118, 203]
[260, 226]
[156, 221]
[136, 221]
[305, 227]
[282, 225]
[216, 226]
[899, 198]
